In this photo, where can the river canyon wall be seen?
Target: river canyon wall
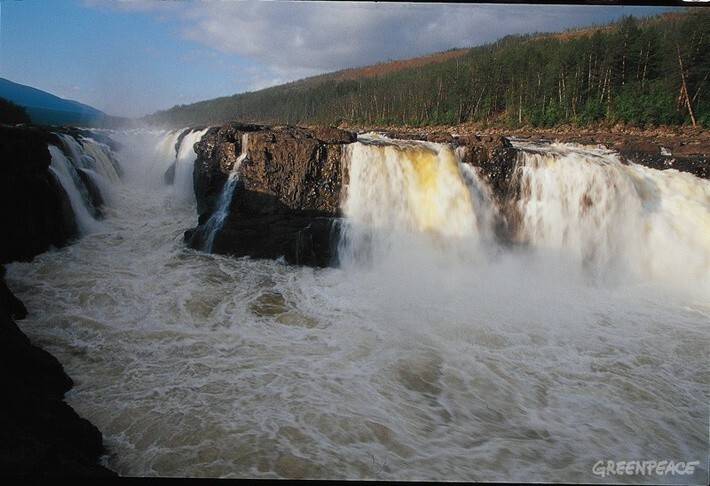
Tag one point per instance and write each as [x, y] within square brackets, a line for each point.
[34, 208]
[40, 434]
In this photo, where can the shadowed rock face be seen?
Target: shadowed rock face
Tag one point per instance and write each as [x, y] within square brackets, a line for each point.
[40, 435]
[216, 154]
[287, 200]
[35, 213]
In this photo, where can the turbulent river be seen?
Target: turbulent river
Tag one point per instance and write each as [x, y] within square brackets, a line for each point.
[432, 352]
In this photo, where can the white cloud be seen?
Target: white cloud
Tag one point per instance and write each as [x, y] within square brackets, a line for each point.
[263, 43]
[323, 36]
[137, 5]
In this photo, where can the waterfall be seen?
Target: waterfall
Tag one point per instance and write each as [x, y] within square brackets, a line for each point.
[87, 170]
[174, 157]
[104, 160]
[65, 171]
[86, 153]
[216, 220]
[578, 207]
[618, 221]
[482, 199]
[409, 186]
[166, 149]
[157, 158]
[403, 195]
[184, 162]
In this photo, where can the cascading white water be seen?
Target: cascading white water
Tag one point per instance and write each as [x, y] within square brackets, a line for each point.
[103, 158]
[621, 221]
[87, 159]
[149, 154]
[184, 161]
[66, 173]
[165, 150]
[431, 354]
[487, 212]
[75, 150]
[225, 198]
[402, 195]
[580, 205]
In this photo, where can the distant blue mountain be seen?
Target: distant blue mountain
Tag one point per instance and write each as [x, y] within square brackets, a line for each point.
[46, 109]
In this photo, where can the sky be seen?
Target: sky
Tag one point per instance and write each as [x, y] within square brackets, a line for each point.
[135, 57]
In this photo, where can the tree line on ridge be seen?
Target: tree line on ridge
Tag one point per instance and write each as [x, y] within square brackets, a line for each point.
[641, 72]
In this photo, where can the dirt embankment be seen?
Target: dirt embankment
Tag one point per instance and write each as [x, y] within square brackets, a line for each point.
[679, 141]
[682, 148]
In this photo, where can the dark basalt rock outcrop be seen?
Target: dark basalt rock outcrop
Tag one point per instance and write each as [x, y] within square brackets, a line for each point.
[35, 213]
[656, 157]
[217, 152]
[40, 435]
[286, 202]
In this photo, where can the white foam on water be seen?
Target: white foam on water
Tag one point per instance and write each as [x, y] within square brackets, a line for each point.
[439, 356]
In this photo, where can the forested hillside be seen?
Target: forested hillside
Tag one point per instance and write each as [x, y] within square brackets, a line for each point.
[649, 71]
